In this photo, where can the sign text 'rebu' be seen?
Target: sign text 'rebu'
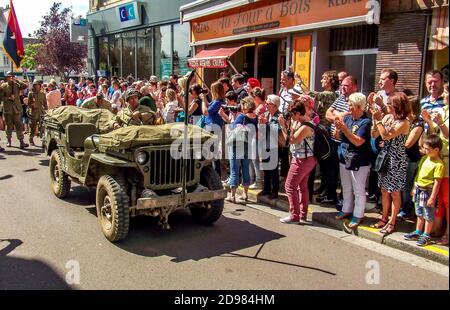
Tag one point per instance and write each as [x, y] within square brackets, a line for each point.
[278, 14]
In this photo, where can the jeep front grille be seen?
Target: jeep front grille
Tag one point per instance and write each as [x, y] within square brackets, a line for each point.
[166, 171]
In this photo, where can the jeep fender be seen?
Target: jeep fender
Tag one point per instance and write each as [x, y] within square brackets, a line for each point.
[102, 164]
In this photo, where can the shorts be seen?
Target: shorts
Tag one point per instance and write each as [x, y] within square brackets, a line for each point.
[425, 212]
[25, 120]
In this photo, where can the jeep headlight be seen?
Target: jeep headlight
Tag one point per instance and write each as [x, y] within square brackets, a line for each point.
[142, 158]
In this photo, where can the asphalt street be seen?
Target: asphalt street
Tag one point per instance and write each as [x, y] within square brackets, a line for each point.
[44, 240]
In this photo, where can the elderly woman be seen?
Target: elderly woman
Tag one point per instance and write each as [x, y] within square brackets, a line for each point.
[354, 159]
[393, 129]
[303, 161]
[239, 159]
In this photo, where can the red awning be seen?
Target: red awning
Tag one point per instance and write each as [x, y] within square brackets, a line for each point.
[215, 59]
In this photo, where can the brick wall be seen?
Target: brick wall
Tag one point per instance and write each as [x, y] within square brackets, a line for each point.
[400, 47]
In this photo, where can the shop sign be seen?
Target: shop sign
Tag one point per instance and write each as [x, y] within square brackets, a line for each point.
[302, 58]
[129, 15]
[280, 14]
[217, 63]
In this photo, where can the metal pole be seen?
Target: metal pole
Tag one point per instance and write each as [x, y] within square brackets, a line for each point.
[185, 140]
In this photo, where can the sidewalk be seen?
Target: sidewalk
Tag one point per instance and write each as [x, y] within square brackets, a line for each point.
[325, 215]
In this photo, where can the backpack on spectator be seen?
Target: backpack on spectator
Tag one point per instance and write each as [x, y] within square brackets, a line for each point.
[322, 141]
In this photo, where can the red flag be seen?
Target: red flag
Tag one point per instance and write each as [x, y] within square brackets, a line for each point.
[13, 42]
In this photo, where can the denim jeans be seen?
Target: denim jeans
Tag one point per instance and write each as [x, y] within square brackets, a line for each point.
[235, 166]
[407, 204]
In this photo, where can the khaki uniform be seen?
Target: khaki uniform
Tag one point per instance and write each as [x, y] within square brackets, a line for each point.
[37, 105]
[12, 108]
[91, 103]
[125, 117]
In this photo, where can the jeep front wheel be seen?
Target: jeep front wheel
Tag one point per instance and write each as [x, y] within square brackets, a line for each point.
[60, 181]
[112, 207]
[210, 211]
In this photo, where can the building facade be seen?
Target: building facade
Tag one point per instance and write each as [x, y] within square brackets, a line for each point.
[138, 38]
[361, 37]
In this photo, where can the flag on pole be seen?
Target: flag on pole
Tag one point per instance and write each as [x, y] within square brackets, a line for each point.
[12, 41]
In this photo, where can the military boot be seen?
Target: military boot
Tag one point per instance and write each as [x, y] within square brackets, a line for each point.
[9, 143]
[23, 145]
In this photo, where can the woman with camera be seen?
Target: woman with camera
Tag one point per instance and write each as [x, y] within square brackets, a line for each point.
[354, 158]
[301, 141]
[239, 150]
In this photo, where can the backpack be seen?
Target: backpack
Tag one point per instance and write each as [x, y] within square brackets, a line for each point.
[322, 141]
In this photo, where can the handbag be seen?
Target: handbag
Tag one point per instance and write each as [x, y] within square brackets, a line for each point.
[381, 163]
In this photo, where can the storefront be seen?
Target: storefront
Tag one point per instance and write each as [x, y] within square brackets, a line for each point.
[312, 36]
[139, 38]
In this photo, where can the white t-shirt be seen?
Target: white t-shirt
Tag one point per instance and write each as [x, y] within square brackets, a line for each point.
[285, 100]
[169, 111]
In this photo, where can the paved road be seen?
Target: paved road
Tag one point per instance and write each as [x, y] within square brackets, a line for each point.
[248, 248]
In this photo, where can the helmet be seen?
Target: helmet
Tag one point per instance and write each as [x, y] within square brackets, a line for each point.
[132, 93]
[9, 74]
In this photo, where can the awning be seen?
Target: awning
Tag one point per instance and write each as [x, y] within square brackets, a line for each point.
[213, 59]
[439, 29]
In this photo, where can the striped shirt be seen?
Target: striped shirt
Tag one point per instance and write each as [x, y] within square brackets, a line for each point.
[436, 106]
[340, 105]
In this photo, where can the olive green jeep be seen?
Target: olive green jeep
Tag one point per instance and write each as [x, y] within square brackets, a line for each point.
[133, 169]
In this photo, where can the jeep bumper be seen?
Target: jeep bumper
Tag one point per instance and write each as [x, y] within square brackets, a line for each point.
[175, 200]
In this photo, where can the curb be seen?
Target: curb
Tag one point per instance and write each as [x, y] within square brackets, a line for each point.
[325, 216]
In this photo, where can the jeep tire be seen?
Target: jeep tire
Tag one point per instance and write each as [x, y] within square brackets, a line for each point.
[213, 211]
[59, 180]
[112, 207]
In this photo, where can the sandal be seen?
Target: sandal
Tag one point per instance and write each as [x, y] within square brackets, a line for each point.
[354, 222]
[380, 224]
[388, 229]
[443, 241]
[342, 215]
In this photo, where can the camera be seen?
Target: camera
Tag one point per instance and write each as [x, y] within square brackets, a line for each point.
[231, 108]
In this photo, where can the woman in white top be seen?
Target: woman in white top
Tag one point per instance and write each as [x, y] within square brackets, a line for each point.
[170, 107]
[301, 140]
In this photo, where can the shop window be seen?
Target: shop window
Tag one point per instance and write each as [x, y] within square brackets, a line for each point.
[128, 53]
[181, 50]
[163, 51]
[354, 38]
[115, 48]
[103, 61]
[145, 53]
[362, 67]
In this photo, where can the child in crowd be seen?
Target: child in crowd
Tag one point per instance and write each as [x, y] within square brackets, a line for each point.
[426, 189]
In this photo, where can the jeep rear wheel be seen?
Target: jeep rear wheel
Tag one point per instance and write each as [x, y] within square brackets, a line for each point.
[58, 178]
[210, 211]
[112, 207]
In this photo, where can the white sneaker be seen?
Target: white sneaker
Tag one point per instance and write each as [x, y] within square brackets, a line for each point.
[255, 186]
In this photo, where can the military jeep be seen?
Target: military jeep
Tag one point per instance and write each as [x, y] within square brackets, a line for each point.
[133, 169]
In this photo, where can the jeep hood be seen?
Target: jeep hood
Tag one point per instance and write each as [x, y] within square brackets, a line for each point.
[138, 136]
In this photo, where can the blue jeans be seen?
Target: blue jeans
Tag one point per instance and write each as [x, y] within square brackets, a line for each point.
[407, 204]
[235, 166]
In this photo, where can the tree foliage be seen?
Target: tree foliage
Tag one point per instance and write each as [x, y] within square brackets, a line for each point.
[57, 55]
[31, 51]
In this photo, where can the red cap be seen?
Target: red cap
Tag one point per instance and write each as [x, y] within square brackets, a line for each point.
[253, 82]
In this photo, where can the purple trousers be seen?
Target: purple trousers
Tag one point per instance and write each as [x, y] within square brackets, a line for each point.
[297, 186]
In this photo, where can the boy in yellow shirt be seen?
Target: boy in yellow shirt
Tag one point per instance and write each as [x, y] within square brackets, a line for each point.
[426, 189]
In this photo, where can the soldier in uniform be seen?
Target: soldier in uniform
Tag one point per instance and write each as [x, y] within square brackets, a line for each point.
[97, 102]
[37, 105]
[12, 108]
[134, 113]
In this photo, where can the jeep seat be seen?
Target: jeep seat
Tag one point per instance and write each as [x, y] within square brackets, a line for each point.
[77, 134]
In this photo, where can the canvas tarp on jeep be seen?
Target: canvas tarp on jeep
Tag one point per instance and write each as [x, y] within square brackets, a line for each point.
[63, 116]
[137, 136]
